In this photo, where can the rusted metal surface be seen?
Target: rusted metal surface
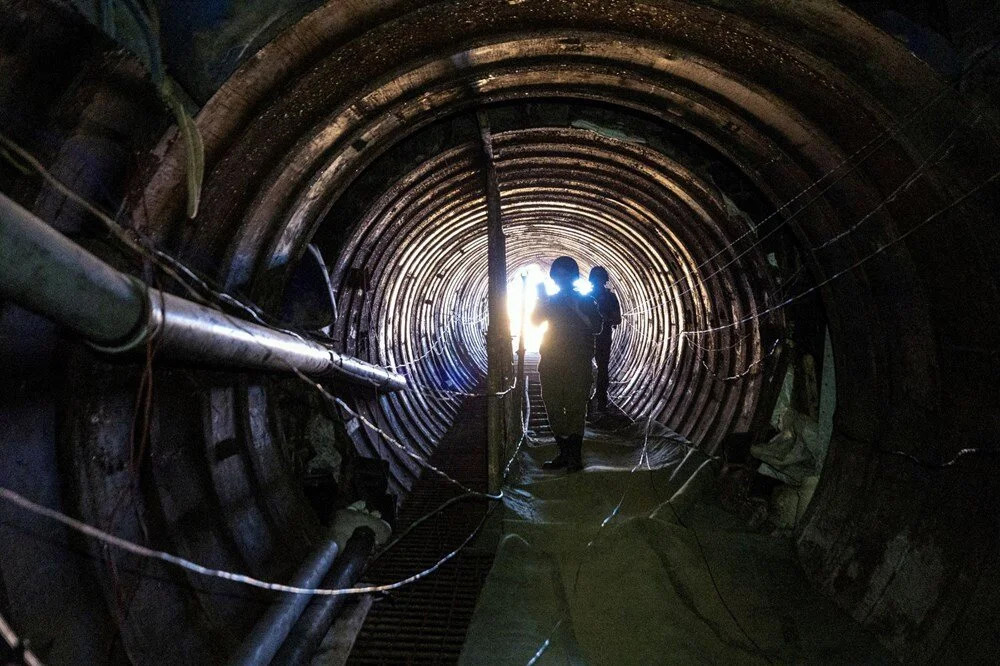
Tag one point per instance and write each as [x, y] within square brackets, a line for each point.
[309, 141]
[784, 92]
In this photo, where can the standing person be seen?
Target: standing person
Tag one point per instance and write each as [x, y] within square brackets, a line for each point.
[611, 313]
[566, 352]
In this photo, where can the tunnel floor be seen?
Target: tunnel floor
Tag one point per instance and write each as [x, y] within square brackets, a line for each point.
[634, 561]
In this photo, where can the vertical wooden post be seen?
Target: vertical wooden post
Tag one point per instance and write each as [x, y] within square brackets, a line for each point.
[499, 350]
[521, 386]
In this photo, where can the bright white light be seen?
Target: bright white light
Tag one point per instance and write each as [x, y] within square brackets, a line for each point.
[583, 286]
[529, 294]
[535, 276]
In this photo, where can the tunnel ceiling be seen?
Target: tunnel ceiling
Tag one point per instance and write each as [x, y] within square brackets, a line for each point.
[718, 157]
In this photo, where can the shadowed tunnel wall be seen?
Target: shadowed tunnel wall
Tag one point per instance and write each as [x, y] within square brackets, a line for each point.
[718, 157]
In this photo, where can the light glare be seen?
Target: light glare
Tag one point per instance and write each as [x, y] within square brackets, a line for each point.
[529, 294]
[534, 276]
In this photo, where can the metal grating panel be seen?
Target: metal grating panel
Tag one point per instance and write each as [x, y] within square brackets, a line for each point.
[426, 622]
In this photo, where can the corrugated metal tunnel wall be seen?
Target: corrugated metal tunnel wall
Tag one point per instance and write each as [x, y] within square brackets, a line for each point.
[717, 157]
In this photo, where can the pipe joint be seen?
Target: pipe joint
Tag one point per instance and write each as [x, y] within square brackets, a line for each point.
[146, 328]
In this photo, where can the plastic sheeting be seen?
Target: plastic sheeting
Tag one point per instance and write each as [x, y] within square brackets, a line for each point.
[796, 454]
[601, 567]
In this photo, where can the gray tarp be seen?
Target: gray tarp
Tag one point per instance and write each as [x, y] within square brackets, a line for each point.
[637, 591]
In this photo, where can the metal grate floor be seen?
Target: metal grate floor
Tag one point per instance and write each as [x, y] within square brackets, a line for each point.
[426, 622]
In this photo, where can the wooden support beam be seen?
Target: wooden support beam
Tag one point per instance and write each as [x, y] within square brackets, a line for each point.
[499, 353]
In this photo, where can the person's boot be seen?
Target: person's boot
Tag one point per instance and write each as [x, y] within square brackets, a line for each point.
[574, 453]
[561, 460]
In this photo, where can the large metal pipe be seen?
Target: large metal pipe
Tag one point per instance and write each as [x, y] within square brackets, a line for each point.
[194, 332]
[270, 631]
[314, 622]
[46, 272]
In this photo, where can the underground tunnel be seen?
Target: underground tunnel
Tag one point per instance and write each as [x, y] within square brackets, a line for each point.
[317, 216]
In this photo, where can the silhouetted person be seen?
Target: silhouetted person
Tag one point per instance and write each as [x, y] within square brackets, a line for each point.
[566, 351]
[611, 313]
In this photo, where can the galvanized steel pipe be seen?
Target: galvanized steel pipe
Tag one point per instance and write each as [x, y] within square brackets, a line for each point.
[46, 272]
